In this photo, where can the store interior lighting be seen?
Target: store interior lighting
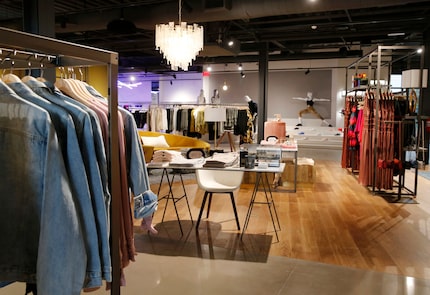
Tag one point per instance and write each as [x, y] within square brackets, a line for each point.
[180, 43]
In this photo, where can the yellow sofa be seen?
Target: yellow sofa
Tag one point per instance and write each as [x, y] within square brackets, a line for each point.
[172, 142]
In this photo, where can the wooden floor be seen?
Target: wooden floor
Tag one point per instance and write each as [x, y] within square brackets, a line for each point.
[333, 220]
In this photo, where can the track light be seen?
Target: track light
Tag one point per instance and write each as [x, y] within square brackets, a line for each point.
[240, 68]
[307, 72]
[242, 75]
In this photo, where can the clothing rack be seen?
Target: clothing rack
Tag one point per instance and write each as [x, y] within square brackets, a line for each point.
[69, 54]
[233, 105]
[385, 56]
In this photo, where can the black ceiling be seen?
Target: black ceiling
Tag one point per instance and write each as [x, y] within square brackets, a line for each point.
[285, 28]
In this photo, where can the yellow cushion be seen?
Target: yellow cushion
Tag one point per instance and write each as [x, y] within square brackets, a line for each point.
[155, 141]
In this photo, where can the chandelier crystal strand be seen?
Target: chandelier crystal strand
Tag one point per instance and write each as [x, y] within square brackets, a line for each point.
[179, 44]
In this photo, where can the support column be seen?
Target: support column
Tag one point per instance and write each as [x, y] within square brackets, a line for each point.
[263, 76]
[425, 97]
[39, 18]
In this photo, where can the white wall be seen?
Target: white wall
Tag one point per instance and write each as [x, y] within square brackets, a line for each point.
[287, 79]
[184, 89]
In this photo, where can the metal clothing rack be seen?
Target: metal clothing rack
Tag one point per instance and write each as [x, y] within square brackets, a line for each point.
[385, 56]
[70, 54]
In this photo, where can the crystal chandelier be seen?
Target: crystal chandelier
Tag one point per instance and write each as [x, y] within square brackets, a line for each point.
[179, 44]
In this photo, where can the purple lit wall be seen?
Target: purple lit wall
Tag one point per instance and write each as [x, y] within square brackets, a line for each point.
[137, 92]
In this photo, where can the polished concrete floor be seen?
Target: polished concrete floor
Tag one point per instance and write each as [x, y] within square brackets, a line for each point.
[152, 274]
[172, 263]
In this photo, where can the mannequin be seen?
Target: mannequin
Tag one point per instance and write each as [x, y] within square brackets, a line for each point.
[215, 97]
[310, 108]
[253, 107]
[201, 98]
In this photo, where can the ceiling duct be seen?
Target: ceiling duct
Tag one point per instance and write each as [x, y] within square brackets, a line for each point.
[121, 25]
[217, 4]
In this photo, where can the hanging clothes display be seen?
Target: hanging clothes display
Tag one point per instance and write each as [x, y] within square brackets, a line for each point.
[75, 168]
[42, 209]
[353, 124]
[189, 120]
[55, 168]
[363, 134]
[79, 91]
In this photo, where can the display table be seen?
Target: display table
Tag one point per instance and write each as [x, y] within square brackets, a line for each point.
[288, 157]
[170, 196]
[262, 182]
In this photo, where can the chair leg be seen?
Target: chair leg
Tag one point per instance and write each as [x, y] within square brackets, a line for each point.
[201, 209]
[209, 205]
[234, 209]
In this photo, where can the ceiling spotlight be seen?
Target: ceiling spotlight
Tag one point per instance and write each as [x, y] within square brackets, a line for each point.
[209, 69]
[174, 76]
[419, 51]
[307, 72]
[240, 68]
[242, 75]
[171, 82]
[230, 43]
[314, 27]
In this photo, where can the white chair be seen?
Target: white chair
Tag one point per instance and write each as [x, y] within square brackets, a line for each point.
[218, 182]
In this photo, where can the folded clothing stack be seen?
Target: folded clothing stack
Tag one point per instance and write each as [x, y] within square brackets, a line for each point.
[219, 160]
[166, 156]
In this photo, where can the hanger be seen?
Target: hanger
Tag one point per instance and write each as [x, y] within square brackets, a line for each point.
[64, 85]
[10, 78]
[79, 87]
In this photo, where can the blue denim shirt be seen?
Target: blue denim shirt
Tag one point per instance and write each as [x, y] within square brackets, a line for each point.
[98, 139]
[66, 134]
[100, 195]
[138, 172]
[42, 239]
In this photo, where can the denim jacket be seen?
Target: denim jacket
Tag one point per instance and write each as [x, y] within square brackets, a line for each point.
[67, 138]
[100, 195]
[42, 235]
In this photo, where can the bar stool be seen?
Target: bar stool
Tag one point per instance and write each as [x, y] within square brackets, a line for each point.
[218, 182]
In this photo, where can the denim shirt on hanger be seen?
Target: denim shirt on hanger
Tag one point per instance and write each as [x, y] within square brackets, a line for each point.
[99, 190]
[66, 134]
[42, 237]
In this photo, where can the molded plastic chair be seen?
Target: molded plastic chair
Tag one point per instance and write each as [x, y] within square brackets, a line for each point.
[218, 182]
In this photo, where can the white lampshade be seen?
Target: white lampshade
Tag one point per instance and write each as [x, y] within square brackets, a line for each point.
[218, 114]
